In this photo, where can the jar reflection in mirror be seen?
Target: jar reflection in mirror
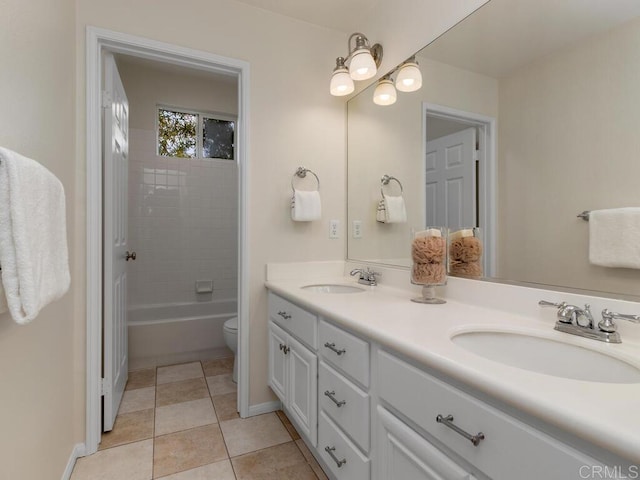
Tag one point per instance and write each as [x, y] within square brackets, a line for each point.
[465, 253]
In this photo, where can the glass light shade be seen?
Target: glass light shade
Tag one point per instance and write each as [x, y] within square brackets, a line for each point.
[409, 78]
[362, 66]
[341, 83]
[384, 93]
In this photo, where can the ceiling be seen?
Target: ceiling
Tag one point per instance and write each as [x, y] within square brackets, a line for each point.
[506, 34]
[342, 15]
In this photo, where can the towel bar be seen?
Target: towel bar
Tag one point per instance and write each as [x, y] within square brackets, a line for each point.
[301, 172]
[584, 215]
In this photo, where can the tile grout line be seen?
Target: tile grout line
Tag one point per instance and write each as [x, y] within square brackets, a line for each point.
[226, 449]
[153, 445]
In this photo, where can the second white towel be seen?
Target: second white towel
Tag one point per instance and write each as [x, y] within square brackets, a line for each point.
[306, 206]
[392, 209]
[614, 237]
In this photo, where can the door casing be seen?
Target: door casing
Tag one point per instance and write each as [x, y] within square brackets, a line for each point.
[98, 41]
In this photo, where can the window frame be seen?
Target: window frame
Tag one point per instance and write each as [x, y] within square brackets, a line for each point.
[200, 115]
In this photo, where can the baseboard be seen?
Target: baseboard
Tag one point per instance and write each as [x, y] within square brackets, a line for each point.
[78, 451]
[266, 407]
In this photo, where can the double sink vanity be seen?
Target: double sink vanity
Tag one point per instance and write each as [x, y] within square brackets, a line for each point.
[480, 387]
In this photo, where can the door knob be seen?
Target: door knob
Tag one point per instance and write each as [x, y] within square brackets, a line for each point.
[130, 256]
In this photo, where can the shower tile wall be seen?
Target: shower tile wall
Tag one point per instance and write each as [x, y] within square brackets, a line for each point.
[182, 225]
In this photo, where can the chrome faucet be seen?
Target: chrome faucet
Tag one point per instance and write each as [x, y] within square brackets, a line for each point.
[367, 277]
[579, 321]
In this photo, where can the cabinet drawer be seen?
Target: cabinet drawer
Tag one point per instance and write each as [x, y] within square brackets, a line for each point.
[346, 352]
[403, 454]
[297, 321]
[351, 412]
[531, 454]
[356, 466]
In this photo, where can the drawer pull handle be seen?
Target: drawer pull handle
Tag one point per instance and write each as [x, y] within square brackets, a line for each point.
[330, 451]
[284, 348]
[331, 394]
[448, 421]
[284, 315]
[332, 346]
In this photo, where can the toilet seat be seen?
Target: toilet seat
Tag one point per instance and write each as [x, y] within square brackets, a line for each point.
[231, 324]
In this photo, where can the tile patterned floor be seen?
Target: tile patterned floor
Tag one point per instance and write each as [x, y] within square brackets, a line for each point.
[180, 423]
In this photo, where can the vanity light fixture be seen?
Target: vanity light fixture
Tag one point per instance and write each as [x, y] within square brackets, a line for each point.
[341, 82]
[409, 78]
[384, 93]
[364, 61]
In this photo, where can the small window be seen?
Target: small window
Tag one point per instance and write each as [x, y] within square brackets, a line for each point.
[187, 134]
[177, 134]
[217, 138]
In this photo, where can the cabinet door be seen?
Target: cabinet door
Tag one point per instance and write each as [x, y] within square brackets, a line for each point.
[303, 388]
[278, 361]
[403, 454]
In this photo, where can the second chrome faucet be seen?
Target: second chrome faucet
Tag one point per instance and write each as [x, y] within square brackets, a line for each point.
[579, 321]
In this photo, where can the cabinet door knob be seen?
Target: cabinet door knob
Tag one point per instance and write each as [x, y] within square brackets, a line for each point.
[130, 256]
[284, 315]
[330, 451]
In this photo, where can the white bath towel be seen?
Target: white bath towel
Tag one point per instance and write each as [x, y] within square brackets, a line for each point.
[395, 211]
[306, 206]
[614, 237]
[33, 236]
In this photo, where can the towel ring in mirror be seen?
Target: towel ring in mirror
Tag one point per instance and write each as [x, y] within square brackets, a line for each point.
[302, 173]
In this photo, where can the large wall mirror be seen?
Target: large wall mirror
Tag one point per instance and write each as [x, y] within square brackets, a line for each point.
[546, 95]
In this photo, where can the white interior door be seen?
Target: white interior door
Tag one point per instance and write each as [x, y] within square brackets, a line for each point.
[451, 180]
[115, 161]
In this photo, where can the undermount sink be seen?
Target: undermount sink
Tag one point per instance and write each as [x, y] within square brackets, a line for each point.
[547, 356]
[333, 288]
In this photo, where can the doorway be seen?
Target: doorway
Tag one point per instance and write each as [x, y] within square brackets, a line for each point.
[470, 201]
[100, 44]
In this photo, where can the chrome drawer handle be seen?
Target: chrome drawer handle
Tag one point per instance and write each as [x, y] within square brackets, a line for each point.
[332, 346]
[284, 315]
[284, 348]
[330, 451]
[448, 422]
[331, 394]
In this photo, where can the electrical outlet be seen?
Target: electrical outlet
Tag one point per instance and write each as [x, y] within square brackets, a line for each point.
[334, 226]
[357, 229]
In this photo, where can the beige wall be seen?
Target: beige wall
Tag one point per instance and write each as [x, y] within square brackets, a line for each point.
[388, 140]
[42, 401]
[568, 143]
[148, 85]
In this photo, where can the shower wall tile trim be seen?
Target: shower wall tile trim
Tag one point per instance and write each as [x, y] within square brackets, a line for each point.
[182, 224]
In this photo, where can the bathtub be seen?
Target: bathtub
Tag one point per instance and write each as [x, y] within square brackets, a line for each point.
[164, 334]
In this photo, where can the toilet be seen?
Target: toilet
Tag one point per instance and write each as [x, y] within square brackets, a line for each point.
[230, 332]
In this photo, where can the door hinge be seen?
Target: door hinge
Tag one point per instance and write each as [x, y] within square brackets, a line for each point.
[107, 102]
[104, 387]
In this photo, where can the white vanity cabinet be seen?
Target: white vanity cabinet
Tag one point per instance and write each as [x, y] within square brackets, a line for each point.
[293, 367]
[371, 414]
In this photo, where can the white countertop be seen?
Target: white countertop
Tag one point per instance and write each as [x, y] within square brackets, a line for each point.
[604, 414]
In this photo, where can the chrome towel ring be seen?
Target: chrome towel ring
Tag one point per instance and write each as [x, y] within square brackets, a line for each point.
[385, 181]
[301, 172]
